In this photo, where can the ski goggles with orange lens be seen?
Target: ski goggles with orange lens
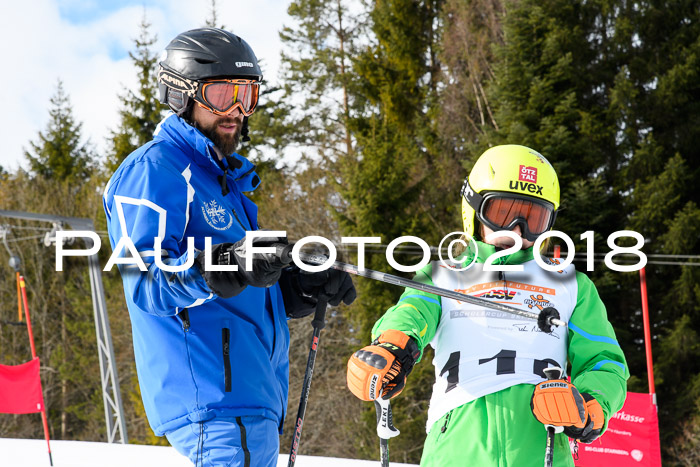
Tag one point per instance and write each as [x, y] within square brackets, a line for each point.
[222, 96]
[503, 211]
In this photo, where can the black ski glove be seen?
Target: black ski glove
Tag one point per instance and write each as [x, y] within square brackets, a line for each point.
[266, 267]
[302, 291]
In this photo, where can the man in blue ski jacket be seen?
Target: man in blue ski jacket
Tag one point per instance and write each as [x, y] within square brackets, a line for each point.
[211, 346]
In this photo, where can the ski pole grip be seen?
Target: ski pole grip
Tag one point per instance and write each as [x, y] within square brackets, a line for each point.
[284, 252]
[385, 419]
[553, 372]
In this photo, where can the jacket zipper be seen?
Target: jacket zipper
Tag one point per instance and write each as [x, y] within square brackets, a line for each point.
[223, 181]
[185, 317]
[226, 346]
[273, 321]
[238, 219]
[443, 429]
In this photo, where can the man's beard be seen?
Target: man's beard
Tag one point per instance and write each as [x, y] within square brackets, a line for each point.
[225, 142]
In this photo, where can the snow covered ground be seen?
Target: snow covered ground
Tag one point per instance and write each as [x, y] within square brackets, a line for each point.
[33, 453]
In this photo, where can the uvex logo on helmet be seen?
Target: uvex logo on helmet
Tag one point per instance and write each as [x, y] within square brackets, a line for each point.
[524, 186]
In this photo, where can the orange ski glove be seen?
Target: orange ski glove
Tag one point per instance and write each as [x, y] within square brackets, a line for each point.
[558, 403]
[380, 369]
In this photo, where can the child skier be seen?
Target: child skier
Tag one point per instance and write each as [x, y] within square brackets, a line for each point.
[489, 365]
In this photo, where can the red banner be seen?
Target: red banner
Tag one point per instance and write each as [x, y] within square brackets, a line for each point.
[632, 438]
[20, 388]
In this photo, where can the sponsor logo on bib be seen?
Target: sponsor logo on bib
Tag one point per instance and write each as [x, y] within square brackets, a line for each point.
[499, 294]
[537, 301]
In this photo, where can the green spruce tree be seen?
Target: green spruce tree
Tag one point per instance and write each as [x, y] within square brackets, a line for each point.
[664, 82]
[604, 90]
[317, 74]
[213, 20]
[60, 152]
[141, 111]
[387, 185]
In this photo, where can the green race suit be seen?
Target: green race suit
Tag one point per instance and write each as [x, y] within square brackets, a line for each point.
[487, 362]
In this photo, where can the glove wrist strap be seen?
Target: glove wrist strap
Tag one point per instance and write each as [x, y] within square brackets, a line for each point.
[406, 355]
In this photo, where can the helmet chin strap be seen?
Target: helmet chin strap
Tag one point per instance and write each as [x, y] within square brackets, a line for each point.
[244, 130]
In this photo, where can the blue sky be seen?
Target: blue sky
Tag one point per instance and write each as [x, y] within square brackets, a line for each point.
[86, 11]
[85, 44]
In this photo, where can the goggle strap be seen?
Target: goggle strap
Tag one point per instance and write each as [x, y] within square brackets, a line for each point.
[473, 198]
[178, 82]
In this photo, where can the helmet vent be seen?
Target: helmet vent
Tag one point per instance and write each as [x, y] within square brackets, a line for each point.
[204, 61]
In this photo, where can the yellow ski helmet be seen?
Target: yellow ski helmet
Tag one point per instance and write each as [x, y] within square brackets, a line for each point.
[518, 174]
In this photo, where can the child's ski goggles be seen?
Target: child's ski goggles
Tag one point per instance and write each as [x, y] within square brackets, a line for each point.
[503, 211]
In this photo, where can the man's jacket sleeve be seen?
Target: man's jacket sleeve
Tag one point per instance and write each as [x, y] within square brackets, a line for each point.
[417, 313]
[598, 365]
[148, 201]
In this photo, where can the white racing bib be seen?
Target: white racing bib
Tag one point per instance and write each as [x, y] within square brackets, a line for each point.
[480, 351]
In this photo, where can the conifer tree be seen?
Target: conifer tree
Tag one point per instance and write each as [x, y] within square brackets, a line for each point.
[60, 153]
[604, 90]
[318, 80]
[141, 111]
[213, 20]
[471, 30]
[664, 85]
[385, 187]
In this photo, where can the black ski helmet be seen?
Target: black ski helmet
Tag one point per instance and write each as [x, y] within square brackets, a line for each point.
[201, 54]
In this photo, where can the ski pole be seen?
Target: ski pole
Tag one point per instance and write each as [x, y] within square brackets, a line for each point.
[551, 373]
[318, 323]
[385, 428]
[546, 318]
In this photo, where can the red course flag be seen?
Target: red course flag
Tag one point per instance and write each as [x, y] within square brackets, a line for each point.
[20, 388]
[632, 438]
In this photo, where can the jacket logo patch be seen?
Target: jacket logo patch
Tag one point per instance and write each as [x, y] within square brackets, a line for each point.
[216, 216]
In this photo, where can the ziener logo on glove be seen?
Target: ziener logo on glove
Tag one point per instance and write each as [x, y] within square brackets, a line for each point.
[554, 385]
[373, 386]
